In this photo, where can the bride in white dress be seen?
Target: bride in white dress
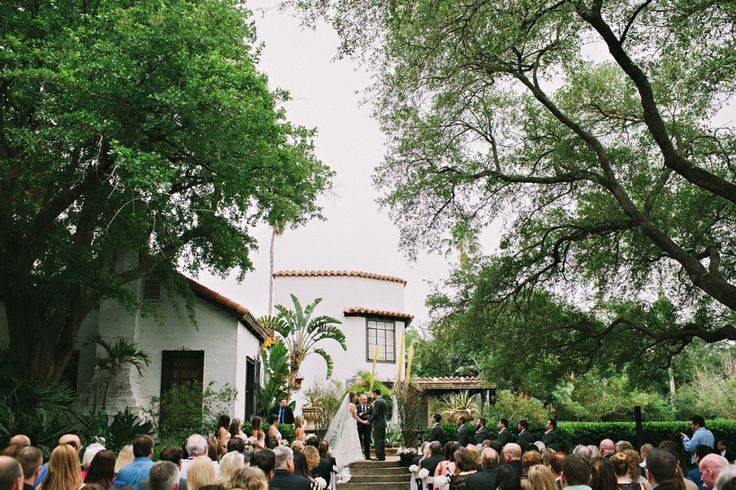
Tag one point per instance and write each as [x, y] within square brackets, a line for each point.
[342, 435]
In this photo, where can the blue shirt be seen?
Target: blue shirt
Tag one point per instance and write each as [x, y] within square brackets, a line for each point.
[134, 473]
[281, 415]
[41, 475]
[701, 436]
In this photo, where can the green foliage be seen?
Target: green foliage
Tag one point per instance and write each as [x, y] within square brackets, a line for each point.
[394, 437]
[188, 408]
[449, 430]
[275, 373]
[113, 433]
[433, 357]
[459, 404]
[711, 391]
[518, 406]
[118, 354]
[327, 396]
[301, 334]
[412, 411]
[609, 176]
[154, 146]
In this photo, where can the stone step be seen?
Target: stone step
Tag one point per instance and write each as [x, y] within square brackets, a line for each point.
[367, 470]
[378, 478]
[373, 486]
[376, 464]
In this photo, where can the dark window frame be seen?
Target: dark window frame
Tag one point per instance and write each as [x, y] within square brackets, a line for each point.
[369, 350]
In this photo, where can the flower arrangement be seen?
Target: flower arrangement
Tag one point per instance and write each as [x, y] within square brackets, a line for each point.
[320, 482]
[414, 468]
[423, 473]
[406, 455]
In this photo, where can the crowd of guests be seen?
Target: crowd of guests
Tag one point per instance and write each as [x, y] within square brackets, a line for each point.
[227, 460]
[475, 461]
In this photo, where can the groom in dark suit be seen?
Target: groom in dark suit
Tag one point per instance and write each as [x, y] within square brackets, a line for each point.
[378, 419]
[364, 430]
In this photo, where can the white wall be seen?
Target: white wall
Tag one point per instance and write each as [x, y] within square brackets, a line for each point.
[338, 293]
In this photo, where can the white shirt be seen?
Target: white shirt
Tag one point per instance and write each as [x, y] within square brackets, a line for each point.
[185, 466]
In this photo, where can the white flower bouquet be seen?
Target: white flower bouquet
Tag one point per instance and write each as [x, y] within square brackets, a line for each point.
[423, 473]
[414, 468]
[440, 481]
[321, 483]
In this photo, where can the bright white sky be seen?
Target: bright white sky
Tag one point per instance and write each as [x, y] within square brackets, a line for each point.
[357, 235]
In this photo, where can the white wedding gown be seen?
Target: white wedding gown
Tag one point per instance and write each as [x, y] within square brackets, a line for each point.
[342, 435]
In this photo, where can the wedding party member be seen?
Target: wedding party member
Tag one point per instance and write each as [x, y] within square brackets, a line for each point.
[284, 413]
[550, 436]
[235, 429]
[463, 433]
[482, 434]
[342, 435]
[273, 436]
[11, 474]
[284, 477]
[30, 459]
[164, 475]
[525, 437]
[257, 434]
[576, 473]
[299, 433]
[63, 471]
[437, 434]
[223, 432]
[378, 420]
[365, 410]
[503, 431]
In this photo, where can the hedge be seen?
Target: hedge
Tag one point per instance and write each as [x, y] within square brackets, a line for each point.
[573, 433]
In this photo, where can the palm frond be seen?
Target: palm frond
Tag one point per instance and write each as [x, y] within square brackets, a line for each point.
[328, 360]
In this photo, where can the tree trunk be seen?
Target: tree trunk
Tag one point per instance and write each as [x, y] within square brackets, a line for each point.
[673, 388]
[270, 272]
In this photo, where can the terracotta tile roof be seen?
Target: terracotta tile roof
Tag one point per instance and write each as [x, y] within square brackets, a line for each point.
[363, 311]
[338, 273]
[453, 383]
[243, 313]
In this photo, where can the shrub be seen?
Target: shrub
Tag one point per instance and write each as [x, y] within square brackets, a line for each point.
[519, 406]
[116, 432]
[363, 385]
[711, 391]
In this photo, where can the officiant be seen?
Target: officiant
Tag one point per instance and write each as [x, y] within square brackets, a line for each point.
[365, 410]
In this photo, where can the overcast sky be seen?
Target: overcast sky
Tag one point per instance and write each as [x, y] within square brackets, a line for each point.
[357, 234]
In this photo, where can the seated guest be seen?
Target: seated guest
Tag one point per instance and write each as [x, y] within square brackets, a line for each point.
[603, 476]
[89, 453]
[710, 466]
[541, 478]
[200, 473]
[662, 469]
[607, 448]
[643, 451]
[727, 478]
[297, 446]
[284, 477]
[694, 474]
[30, 459]
[164, 475]
[137, 471]
[555, 464]
[301, 468]
[674, 449]
[312, 457]
[101, 469]
[125, 457]
[511, 456]
[174, 455]
[326, 463]
[622, 446]
[313, 441]
[621, 467]
[529, 459]
[248, 478]
[11, 474]
[583, 452]
[228, 464]
[196, 446]
[447, 466]
[576, 473]
[265, 460]
[487, 478]
[235, 444]
[67, 439]
[464, 467]
[62, 469]
[435, 457]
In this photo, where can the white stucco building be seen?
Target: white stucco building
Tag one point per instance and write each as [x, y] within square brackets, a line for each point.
[371, 309]
[223, 346]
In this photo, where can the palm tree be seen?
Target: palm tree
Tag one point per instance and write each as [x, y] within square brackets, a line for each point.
[301, 333]
[464, 239]
[118, 354]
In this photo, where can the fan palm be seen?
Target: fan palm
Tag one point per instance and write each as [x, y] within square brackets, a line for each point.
[464, 240]
[120, 353]
[301, 333]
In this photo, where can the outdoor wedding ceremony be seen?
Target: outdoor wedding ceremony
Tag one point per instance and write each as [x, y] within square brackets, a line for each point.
[367, 244]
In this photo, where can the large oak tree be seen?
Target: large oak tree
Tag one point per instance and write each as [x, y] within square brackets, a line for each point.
[597, 133]
[136, 138]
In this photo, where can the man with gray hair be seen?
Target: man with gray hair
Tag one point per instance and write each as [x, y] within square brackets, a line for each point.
[607, 448]
[584, 452]
[488, 476]
[727, 478]
[512, 458]
[284, 477]
[163, 475]
[11, 474]
[196, 446]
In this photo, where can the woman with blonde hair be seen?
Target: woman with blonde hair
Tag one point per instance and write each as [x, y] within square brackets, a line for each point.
[248, 478]
[297, 446]
[63, 469]
[228, 464]
[125, 457]
[541, 478]
[201, 472]
[312, 455]
[299, 434]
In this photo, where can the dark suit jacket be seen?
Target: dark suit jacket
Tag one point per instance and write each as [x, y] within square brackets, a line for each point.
[525, 438]
[324, 470]
[364, 414]
[482, 434]
[431, 463]
[503, 436]
[378, 418]
[283, 480]
[550, 438]
[437, 434]
[483, 480]
[463, 436]
[510, 476]
[288, 413]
